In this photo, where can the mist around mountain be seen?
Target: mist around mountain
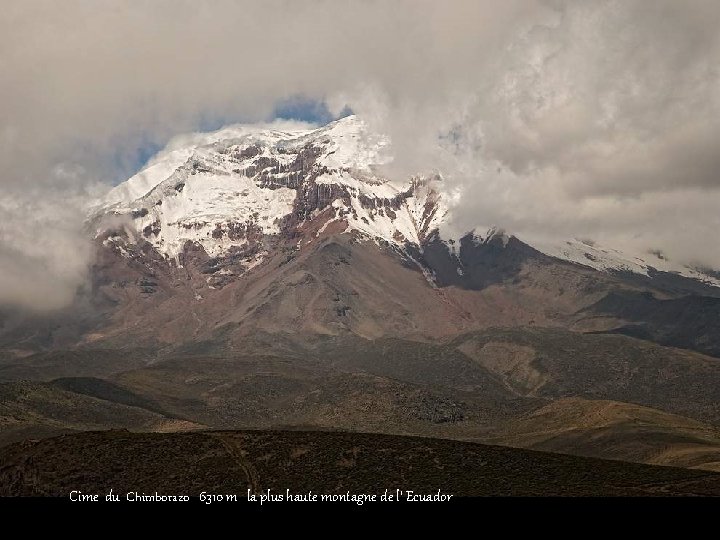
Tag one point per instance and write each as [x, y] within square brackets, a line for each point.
[274, 278]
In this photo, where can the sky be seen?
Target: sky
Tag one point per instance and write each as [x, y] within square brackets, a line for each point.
[596, 119]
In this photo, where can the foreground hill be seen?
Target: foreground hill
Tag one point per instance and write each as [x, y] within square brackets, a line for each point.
[324, 462]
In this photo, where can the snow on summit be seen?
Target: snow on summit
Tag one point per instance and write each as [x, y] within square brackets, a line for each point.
[239, 183]
[228, 190]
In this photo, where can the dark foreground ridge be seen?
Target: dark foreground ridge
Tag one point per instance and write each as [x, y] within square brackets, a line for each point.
[233, 462]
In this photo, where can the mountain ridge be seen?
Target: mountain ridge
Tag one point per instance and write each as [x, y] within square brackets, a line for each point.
[241, 185]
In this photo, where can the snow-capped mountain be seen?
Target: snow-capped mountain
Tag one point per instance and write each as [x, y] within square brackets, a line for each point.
[588, 253]
[241, 184]
[232, 191]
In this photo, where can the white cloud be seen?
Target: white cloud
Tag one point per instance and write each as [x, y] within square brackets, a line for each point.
[600, 116]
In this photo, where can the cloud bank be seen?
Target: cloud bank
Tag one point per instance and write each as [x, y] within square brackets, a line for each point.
[596, 119]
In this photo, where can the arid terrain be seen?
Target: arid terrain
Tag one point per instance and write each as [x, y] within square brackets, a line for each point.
[235, 462]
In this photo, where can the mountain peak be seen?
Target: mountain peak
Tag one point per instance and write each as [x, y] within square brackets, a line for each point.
[233, 189]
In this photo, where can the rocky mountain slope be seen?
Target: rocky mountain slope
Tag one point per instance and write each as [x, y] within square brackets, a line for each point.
[298, 231]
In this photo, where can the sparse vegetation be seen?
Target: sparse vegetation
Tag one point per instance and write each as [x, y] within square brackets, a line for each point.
[324, 462]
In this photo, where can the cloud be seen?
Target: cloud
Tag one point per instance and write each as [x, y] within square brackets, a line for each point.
[604, 122]
[572, 118]
[43, 252]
